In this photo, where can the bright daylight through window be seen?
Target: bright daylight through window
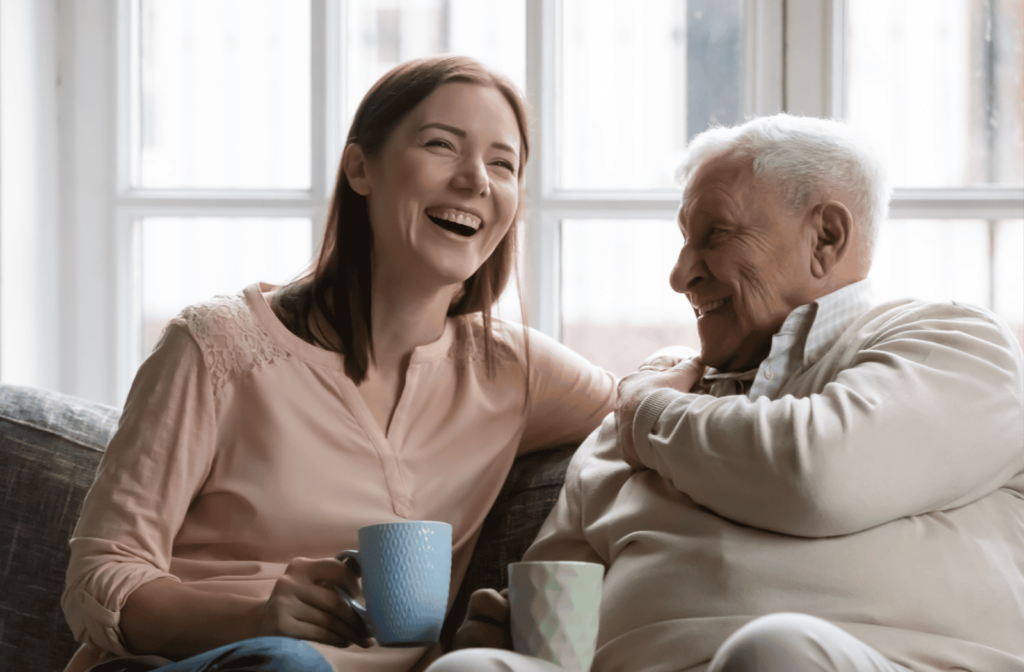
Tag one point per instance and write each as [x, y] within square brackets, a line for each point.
[237, 112]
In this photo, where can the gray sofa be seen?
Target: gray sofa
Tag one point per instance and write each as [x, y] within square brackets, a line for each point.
[50, 445]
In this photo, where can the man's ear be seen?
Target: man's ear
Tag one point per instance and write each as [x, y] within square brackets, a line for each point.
[353, 163]
[833, 228]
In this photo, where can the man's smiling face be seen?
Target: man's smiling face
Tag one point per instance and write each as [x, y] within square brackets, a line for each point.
[744, 265]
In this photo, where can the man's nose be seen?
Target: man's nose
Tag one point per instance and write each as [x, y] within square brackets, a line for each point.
[472, 176]
[688, 271]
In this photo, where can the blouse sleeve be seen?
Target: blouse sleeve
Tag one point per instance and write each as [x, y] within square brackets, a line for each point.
[153, 468]
[569, 396]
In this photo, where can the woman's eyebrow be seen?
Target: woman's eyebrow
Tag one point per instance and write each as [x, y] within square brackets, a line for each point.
[461, 133]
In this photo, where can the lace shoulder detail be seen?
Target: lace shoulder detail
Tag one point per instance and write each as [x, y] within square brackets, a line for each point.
[507, 341]
[232, 342]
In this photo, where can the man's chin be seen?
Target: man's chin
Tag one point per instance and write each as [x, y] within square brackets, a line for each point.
[715, 351]
[712, 358]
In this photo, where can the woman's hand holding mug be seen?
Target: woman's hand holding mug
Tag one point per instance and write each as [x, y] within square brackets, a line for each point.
[406, 568]
[305, 604]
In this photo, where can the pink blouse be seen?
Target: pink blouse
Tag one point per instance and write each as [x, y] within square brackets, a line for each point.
[242, 447]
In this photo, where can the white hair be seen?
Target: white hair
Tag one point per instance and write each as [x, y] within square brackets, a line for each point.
[805, 157]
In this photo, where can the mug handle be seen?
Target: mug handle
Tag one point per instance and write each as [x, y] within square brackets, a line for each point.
[350, 599]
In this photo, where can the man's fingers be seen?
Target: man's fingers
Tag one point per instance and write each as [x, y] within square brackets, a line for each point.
[489, 606]
[475, 634]
[692, 363]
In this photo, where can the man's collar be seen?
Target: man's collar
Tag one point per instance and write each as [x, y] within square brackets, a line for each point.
[834, 313]
[828, 317]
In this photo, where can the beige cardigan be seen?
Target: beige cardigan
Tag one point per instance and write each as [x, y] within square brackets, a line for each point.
[881, 490]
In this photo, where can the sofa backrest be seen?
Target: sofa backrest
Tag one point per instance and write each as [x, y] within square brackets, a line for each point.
[50, 445]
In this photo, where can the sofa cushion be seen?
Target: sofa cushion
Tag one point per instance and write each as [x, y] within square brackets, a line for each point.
[529, 493]
[50, 445]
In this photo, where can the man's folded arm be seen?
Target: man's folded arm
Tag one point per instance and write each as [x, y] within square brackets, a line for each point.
[928, 417]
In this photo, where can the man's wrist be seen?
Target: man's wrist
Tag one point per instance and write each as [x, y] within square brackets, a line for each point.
[647, 414]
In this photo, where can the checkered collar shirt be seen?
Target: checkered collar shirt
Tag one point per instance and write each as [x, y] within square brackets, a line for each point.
[808, 332]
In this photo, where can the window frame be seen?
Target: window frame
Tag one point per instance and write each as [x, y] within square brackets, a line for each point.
[794, 54]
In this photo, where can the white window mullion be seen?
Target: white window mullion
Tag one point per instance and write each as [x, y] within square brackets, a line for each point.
[89, 104]
[764, 57]
[128, 269]
[129, 109]
[812, 60]
[321, 68]
[612, 205]
[991, 203]
[335, 55]
[541, 276]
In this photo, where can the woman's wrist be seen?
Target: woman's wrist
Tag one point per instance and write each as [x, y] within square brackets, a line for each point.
[167, 618]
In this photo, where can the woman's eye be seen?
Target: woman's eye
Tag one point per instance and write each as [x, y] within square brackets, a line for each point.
[439, 142]
[506, 165]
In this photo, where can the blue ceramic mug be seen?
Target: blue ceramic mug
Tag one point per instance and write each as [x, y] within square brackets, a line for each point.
[406, 568]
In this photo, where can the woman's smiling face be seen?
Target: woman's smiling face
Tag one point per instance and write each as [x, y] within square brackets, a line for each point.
[443, 190]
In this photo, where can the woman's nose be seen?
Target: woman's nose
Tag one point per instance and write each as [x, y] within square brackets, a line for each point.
[472, 176]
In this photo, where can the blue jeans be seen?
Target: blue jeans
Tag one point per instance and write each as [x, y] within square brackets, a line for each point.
[263, 654]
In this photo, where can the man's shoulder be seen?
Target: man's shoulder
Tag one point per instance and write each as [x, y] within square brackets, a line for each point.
[918, 330]
[900, 314]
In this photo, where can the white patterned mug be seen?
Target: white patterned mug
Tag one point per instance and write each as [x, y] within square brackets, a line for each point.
[555, 608]
[406, 570]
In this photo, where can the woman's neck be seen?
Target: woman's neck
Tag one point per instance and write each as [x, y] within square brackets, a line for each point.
[405, 317]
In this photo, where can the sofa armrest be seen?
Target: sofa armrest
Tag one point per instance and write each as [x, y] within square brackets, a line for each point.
[50, 445]
[526, 498]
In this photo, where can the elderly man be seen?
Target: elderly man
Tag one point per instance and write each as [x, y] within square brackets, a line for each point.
[833, 484]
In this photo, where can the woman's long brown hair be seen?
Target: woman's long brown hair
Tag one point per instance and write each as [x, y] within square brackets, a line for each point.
[338, 282]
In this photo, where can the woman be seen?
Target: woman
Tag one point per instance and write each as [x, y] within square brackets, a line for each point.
[268, 427]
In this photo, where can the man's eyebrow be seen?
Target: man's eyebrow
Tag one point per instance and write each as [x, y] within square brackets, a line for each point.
[461, 133]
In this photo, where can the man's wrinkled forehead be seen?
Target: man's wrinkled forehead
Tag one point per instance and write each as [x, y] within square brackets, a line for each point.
[719, 181]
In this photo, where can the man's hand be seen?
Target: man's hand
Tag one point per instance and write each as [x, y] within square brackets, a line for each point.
[668, 357]
[487, 623]
[636, 386]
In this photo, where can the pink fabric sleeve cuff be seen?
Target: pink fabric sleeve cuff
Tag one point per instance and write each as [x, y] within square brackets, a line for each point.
[92, 623]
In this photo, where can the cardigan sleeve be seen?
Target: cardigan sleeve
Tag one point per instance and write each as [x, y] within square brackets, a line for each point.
[153, 468]
[569, 396]
[927, 417]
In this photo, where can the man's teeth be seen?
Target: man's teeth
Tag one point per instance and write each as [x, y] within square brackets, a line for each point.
[708, 307]
[457, 216]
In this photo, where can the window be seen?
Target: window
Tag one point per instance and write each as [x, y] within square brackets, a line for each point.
[231, 116]
[938, 86]
[935, 85]
[232, 127]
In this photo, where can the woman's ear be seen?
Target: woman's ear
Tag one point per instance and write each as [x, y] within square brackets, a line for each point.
[353, 163]
[833, 226]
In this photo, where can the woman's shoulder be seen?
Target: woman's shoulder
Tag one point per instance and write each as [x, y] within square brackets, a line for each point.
[232, 340]
[512, 342]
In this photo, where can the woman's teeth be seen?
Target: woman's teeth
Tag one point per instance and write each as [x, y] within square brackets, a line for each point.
[456, 221]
